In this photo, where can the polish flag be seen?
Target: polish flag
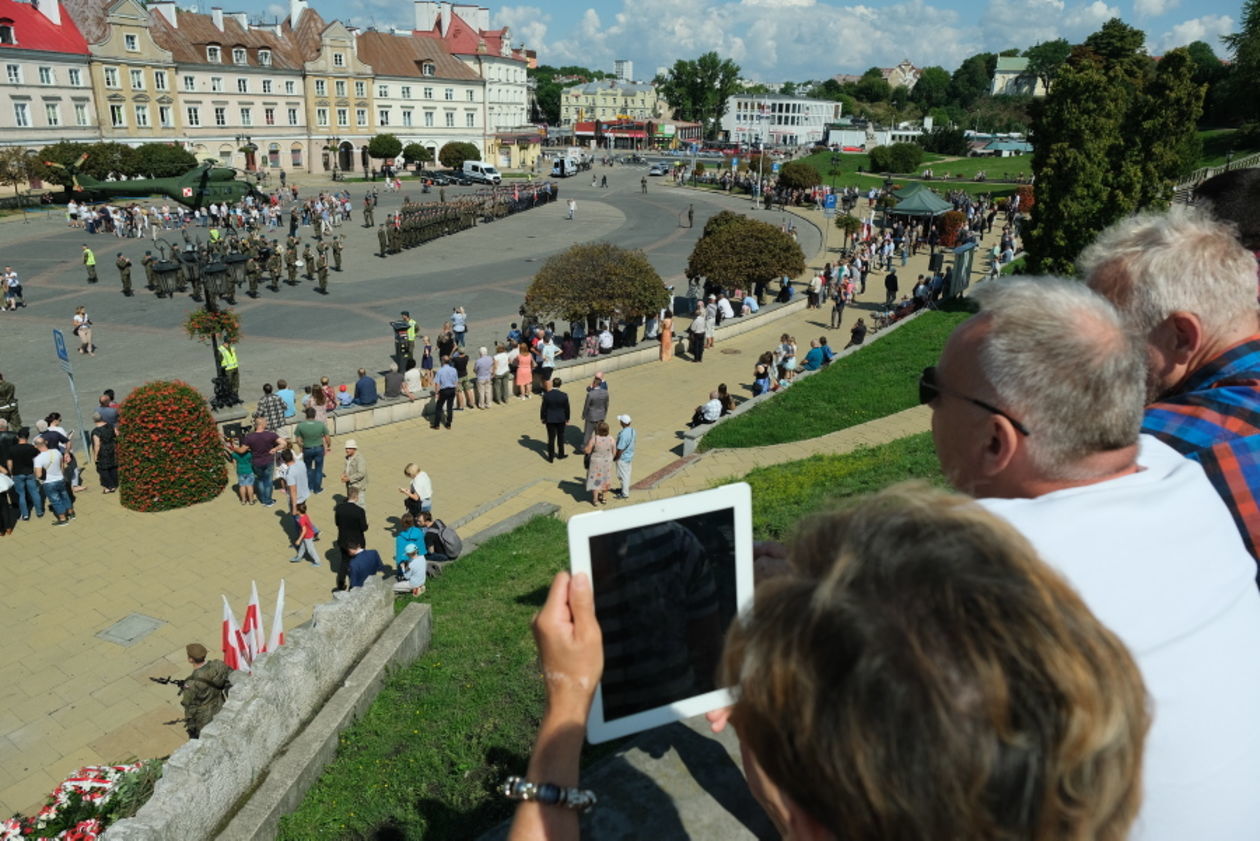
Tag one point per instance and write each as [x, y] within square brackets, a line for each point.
[277, 622]
[255, 636]
[233, 641]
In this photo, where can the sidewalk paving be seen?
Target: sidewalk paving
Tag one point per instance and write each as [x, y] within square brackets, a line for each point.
[72, 698]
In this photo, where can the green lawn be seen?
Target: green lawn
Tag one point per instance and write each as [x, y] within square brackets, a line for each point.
[994, 168]
[1218, 144]
[878, 380]
[444, 730]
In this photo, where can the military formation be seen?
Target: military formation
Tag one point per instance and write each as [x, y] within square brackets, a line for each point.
[418, 223]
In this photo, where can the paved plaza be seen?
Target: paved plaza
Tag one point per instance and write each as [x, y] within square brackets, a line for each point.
[72, 697]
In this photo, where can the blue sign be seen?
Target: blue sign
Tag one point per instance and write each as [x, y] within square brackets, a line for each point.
[830, 201]
[59, 341]
[734, 163]
[774, 167]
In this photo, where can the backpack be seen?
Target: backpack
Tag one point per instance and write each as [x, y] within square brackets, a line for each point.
[452, 545]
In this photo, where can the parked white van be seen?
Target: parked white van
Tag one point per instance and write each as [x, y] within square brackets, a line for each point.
[564, 167]
[481, 172]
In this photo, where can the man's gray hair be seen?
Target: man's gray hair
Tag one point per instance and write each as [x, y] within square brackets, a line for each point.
[1059, 359]
[1182, 260]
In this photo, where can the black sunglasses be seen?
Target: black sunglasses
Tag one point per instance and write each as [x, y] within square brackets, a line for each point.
[929, 391]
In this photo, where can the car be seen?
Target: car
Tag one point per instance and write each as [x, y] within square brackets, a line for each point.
[659, 169]
[454, 176]
[437, 179]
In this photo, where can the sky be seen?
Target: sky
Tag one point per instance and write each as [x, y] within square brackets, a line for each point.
[782, 40]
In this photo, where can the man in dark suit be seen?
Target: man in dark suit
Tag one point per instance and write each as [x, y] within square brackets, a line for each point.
[553, 411]
[594, 409]
[352, 525]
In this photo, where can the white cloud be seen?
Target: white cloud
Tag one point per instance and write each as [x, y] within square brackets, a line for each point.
[1153, 8]
[528, 24]
[1208, 28]
[1089, 18]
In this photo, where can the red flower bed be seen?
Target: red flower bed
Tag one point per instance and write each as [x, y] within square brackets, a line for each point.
[169, 451]
[951, 223]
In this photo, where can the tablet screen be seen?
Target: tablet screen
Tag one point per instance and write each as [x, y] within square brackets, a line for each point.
[665, 593]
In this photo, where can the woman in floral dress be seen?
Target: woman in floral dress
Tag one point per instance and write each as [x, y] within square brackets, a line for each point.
[667, 336]
[524, 371]
[601, 449]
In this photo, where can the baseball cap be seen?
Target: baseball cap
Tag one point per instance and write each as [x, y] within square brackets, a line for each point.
[623, 419]
[352, 444]
[411, 549]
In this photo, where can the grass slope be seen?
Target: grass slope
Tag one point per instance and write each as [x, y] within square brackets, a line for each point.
[878, 380]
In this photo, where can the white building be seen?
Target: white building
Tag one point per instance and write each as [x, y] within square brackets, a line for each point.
[777, 120]
[1011, 78]
[623, 68]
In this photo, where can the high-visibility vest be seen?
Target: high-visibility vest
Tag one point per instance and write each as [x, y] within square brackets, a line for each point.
[89, 259]
[411, 329]
[228, 355]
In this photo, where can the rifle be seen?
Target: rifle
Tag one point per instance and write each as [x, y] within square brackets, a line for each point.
[177, 682]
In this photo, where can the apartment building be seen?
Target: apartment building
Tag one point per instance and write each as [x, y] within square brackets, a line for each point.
[777, 120]
[609, 99]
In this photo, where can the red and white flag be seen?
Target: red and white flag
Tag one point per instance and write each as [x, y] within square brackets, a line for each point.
[277, 622]
[255, 636]
[233, 641]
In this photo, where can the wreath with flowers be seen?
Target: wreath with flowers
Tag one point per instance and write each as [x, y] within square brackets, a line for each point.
[86, 802]
[203, 324]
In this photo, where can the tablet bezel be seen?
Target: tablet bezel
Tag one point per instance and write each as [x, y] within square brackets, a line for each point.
[736, 497]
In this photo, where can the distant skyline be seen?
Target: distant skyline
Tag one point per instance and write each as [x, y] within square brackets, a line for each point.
[782, 40]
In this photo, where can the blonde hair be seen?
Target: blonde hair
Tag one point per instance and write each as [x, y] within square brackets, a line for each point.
[411, 470]
[920, 673]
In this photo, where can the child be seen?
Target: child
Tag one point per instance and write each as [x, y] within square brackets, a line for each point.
[344, 396]
[240, 456]
[305, 542]
[413, 570]
[426, 364]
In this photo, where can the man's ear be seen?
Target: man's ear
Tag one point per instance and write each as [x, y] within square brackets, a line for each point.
[1186, 335]
[1001, 447]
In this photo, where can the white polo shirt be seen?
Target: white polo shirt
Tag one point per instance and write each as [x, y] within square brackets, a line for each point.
[1157, 557]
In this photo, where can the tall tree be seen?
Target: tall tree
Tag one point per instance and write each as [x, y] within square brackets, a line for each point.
[1244, 50]
[1164, 123]
[698, 89]
[972, 79]
[932, 89]
[15, 167]
[1045, 59]
[873, 87]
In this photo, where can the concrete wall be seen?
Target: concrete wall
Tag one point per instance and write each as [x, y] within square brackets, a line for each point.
[205, 780]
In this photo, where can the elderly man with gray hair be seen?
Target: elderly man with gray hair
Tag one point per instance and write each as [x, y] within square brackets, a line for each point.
[1036, 405]
[1184, 284]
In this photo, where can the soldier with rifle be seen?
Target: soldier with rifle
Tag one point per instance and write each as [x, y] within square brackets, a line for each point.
[252, 275]
[274, 263]
[124, 273]
[382, 236]
[150, 282]
[337, 245]
[203, 692]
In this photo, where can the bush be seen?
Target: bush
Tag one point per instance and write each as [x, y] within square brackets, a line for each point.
[169, 451]
[745, 252]
[899, 157]
[798, 175]
[453, 154]
[951, 223]
[946, 140]
[596, 279]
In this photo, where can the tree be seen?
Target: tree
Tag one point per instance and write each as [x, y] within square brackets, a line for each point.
[453, 154]
[15, 167]
[746, 253]
[898, 157]
[1244, 75]
[698, 90]
[788, 88]
[1165, 120]
[946, 140]
[972, 79]
[932, 89]
[849, 225]
[170, 454]
[720, 220]
[596, 280]
[66, 153]
[873, 87]
[1045, 59]
[798, 175]
[161, 160]
[414, 153]
[385, 146]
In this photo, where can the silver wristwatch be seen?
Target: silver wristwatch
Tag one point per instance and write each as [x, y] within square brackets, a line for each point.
[549, 794]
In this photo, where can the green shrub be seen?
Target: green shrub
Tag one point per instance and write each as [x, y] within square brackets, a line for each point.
[169, 451]
[898, 157]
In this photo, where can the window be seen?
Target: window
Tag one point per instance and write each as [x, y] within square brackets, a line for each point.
[382, 91]
[343, 117]
[137, 80]
[450, 94]
[428, 69]
[290, 86]
[406, 91]
[190, 83]
[321, 116]
[296, 155]
[131, 43]
[164, 116]
[247, 116]
[52, 113]
[46, 76]
[117, 116]
[80, 114]
[428, 118]
[450, 119]
[238, 55]
[142, 116]
[428, 93]
[269, 116]
[242, 85]
[407, 117]
[339, 59]
[264, 58]
[266, 85]
[382, 117]
[6, 33]
[470, 119]
[111, 77]
[293, 117]
[216, 84]
[360, 88]
[21, 114]
[214, 55]
[470, 94]
[159, 80]
[360, 116]
[340, 87]
[194, 115]
[76, 77]
[321, 87]
[220, 116]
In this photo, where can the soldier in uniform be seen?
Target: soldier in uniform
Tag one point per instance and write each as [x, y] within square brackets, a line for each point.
[336, 250]
[290, 263]
[369, 212]
[230, 364]
[274, 263]
[383, 236]
[9, 404]
[89, 262]
[204, 690]
[322, 248]
[395, 239]
[147, 261]
[252, 274]
[124, 272]
[308, 262]
[321, 267]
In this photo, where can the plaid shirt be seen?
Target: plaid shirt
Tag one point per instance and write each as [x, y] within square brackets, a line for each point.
[271, 407]
[1214, 419]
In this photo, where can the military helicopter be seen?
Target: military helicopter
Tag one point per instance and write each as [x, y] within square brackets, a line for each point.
[205, 183]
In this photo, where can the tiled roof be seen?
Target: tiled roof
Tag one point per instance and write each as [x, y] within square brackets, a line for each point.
[33, 31]
[462, 38]
[88, 16]
[402, 55]
[187, 41]
[306, 35]
[1011, 64]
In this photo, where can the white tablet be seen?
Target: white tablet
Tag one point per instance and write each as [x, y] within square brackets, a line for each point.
[669, 577]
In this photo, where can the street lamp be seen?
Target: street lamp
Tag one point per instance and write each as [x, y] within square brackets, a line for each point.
[246, 145]
[334, 146]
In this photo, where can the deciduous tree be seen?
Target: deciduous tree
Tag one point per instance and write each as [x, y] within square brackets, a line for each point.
[1244, 50]
[798, 175]
[384, 146]
[745, 252]
[897, 157]
[698, 89]
[453, 154]
[596, 280]
[414, 153]
[1045, 59]
[15, 167]
[161, 160]
[932, 89]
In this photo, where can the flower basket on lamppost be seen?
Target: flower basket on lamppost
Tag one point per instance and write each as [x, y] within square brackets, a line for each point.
[213, 274]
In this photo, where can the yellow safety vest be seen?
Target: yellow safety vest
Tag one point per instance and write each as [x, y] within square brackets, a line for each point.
[411, 329]
[89, 259]
[228, 357]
